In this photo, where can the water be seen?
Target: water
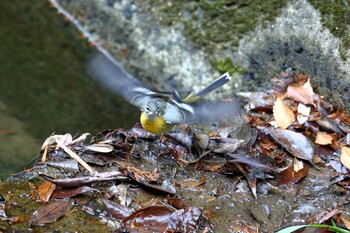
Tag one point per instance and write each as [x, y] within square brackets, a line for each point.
[44, 87]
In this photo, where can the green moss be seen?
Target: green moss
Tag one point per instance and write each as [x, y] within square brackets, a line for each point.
[336, 17]
[227, 65]
[220, 24]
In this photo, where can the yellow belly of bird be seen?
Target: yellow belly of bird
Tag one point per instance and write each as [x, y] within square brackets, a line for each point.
[157, 126]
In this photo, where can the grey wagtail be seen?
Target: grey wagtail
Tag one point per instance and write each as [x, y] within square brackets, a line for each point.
[160, 110]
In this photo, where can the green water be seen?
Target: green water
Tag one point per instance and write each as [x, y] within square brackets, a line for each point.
[44, 87]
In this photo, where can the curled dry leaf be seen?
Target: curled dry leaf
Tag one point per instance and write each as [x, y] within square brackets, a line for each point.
[323, 138]
[295, 143]
[81, 138]
[303, 113]
[64, 139]
[101, 148]
[202, 140]
[284, 117]
[297, 164]
[303, 94]
[345, 157]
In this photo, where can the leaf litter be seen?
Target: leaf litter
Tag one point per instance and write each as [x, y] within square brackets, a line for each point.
[199, 182]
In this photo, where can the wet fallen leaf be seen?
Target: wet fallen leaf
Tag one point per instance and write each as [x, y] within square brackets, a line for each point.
[80, 181]
[161, 218]
[149, 219]
[295, 143]
[284, 117]
[45, 190]
[323, 138]
[165, 186]
[118, 211]
[64, 193]
[345, 157]
[289, 176]
[303, 94]
[177, 203]
[67, 165]
[49, 213]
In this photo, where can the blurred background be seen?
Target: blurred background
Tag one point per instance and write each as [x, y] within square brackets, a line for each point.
[44, 85]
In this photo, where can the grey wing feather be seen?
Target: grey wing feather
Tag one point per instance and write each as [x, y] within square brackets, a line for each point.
[215, 111]
[110, 74]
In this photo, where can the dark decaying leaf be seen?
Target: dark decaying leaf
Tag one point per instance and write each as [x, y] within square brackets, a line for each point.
[289, 176]
[177, 203]
[265, 164]
[49, 213]
[252, 181]
[68, 165]
[161, 218]
[295, 143]
[118, 211]
[64, 193]
[80, 181]
[185, 140]
[165, 186]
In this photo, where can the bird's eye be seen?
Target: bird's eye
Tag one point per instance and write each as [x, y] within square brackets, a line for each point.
[147, 109]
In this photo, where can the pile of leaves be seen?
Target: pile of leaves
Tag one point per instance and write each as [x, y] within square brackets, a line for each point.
[282, 135]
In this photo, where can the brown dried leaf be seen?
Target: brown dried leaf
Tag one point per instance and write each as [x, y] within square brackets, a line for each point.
[345, 157]
[284, 117]
[346, 221]
[289, 176]
[323, 138]
[303, 94]
[45, 190]
[49, 213]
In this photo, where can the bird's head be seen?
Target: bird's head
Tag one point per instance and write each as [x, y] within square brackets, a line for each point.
[152, 110]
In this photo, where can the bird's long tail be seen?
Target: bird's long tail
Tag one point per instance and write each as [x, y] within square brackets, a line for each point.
[222, 80]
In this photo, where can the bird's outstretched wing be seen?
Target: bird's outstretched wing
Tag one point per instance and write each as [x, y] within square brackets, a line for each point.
[110, 74]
